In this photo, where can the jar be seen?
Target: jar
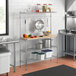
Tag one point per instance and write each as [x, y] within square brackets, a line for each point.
[44, 8]
[38, 8]
[49, 7]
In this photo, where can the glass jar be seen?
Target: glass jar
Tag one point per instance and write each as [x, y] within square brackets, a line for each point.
[49, 7]
[38, 8]
[44, 8]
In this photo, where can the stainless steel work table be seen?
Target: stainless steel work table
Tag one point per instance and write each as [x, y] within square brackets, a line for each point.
[64, 33]
[38, 38]
[14, 43]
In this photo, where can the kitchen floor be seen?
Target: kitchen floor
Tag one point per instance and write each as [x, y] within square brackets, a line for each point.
[42, 65]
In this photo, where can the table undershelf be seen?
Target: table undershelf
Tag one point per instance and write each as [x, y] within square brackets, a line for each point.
[31, 60]
[70, 53]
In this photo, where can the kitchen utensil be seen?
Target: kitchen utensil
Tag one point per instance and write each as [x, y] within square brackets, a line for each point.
[46, 33]
[39, 25]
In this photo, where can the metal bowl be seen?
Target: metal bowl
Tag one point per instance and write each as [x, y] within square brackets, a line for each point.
[46, 33]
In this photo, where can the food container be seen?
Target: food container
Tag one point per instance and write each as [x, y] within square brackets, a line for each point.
[49, 8]
[38, 8]
[41, 56]
[44, 7]
[48, 53]
[34, 55]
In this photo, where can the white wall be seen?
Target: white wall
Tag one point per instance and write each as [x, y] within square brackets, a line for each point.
[15, 6]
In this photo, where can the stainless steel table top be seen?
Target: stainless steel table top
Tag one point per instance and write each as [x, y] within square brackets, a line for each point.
[63, 32]
[9, 42]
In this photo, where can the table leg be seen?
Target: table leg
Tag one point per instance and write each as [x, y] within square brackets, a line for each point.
[57, 54]
[20, 54]
[57, 48]
[65, 51]
[26, 55]
[14, 57]
[7, 46]
[62, 46]
[6, 74]
[74, 58]
[74, 51]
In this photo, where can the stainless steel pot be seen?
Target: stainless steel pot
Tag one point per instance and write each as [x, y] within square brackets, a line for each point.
[47, 43]
[74, 12]
[71, 13]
